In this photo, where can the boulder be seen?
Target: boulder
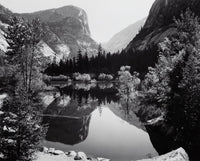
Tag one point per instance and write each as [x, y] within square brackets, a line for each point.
[45, 149]
[176, 155]
[71, 154]
[103, 159]
[81, 156]
[51, 150]
[58, 152]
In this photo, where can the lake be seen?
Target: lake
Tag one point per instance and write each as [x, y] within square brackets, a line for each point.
[92, 119]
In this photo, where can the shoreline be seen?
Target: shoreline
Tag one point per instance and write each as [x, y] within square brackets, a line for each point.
[57, 155]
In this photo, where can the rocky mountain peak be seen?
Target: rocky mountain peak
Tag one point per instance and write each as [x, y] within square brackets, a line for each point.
[160, 22]
[60, 14]
[163, 11]
[66, 31]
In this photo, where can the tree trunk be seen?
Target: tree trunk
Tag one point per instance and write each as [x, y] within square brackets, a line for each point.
[31, 68]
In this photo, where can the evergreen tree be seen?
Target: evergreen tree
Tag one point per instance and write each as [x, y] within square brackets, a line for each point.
[20, 128]
[23, 38]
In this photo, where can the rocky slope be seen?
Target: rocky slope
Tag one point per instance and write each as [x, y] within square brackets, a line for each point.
[120, 40]
[66, 31]
[159, 23]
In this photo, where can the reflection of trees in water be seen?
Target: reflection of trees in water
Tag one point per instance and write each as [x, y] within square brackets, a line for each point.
[103, 96]
[67, 130]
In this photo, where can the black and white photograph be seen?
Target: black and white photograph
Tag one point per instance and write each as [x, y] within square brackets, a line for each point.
[99, 80]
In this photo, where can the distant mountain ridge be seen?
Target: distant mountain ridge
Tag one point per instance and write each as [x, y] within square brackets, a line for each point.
[66, 31]
[120, 40]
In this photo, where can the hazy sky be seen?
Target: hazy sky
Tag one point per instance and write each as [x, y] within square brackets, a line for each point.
[106, 17]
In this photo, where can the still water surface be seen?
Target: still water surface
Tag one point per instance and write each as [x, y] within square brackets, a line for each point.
[91, 119]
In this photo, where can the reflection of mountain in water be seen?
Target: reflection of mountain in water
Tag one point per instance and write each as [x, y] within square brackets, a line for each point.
[126, 114]
[68, 114]
[67, 130]
[65, 106]
[68, 119]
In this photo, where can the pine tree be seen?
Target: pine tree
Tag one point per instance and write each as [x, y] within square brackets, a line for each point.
[20, 128]
[23, 38]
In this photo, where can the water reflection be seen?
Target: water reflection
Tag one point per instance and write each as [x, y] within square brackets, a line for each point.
[66, 130]
[95, 122]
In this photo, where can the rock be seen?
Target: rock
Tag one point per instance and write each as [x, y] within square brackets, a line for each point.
[81, 156]
[66, 31]
[176, 155]
[71, 154]
[160, 24]
[120, 40]
[103, 159]
[51, 150]
[77, 158]
[58, 152]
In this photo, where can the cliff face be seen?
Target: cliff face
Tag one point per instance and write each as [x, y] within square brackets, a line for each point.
[66, 31]
[160, 22]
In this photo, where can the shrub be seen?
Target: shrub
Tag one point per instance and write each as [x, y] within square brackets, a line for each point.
[105, 77]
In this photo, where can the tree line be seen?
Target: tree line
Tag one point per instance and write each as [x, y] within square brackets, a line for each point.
[105, 62]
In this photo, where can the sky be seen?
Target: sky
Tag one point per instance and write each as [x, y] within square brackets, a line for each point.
[106, 17]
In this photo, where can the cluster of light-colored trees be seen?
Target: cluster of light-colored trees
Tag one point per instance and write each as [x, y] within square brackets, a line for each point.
[81, 77]
[105, 77]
